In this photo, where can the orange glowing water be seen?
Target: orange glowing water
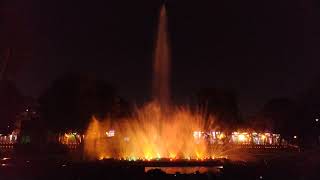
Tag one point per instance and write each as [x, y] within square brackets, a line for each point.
[157, 130]
[161, 68]
[151, 134]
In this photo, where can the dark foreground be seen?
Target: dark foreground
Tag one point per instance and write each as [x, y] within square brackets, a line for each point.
[305, 165]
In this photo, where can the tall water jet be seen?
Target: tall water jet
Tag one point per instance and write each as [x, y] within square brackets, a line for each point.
[161, 77]
[158, 129]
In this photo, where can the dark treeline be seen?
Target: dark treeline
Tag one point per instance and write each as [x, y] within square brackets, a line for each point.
[74, 98]
[11, 102]
[222, 104]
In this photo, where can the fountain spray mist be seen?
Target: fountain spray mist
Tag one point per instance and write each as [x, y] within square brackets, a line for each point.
[161, 80]
[156, 130]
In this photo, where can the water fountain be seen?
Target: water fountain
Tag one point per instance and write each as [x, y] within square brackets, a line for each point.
[157, 130]
[161, 81]
[160, 130]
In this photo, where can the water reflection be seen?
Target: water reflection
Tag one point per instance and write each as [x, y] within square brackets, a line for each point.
[187, 170]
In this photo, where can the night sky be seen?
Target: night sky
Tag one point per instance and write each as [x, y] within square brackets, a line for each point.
[263, 49]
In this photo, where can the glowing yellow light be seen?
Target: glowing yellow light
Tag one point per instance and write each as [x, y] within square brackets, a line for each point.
[159, 156]
[110, 133]
[221, 136]
[199, 155]
[172, 155]
[242, 138]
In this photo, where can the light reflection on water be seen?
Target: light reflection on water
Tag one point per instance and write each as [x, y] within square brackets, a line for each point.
[187, 170]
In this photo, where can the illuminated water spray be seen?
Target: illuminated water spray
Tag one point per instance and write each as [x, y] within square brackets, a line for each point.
[161, 81]
[156, 130]
[139, 137]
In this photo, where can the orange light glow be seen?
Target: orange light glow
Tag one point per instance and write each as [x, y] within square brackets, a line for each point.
[221, 136]
[242, 138]
[153, 134]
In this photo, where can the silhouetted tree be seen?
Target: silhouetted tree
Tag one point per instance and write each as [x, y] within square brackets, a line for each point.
[283, 115]
[11, 103]
[310, 123]
[73, 99]
[121, 108]
[222, 103]
[259, 122]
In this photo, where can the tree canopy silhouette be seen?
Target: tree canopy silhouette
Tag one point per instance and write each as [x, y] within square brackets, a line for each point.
[222, 103]
[283, 114]
[73, 99]
[11, 103]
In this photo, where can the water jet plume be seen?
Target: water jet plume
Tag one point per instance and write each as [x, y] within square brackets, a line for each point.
[140, 137]
[161, 76]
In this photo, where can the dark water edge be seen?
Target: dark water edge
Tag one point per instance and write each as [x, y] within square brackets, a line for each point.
[280, 165]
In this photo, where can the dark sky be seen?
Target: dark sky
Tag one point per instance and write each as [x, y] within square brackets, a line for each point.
[264, 49]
